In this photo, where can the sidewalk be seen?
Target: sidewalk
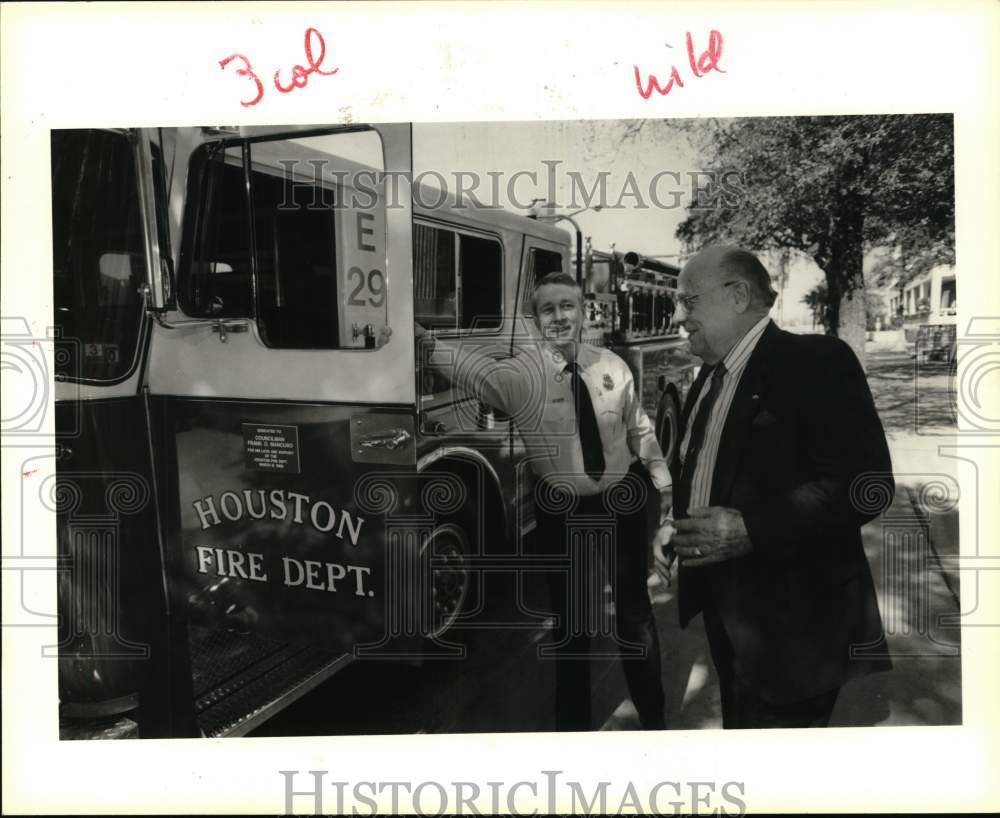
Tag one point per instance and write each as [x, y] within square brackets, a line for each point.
[924, 686]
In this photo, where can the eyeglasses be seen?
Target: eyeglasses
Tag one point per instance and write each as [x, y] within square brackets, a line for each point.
[688, 301]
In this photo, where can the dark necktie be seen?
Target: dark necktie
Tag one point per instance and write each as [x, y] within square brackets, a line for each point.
[586, 423]
[697, 437]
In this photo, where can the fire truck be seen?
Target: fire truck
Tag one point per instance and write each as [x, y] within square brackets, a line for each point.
[630, 308]
[256, 482]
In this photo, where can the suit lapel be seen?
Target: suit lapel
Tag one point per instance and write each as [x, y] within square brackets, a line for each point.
[747, 400]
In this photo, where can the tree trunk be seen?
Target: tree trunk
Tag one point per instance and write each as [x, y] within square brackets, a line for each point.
[834, 290]
[853, 324]
[845, 278]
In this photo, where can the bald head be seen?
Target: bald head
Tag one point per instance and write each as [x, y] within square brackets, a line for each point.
[723, 262]
[723, 292]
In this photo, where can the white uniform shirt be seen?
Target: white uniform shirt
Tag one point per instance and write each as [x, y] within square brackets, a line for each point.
[735, 361]
[536, 392]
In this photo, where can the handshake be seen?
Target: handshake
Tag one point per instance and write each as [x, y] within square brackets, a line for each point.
[664, 556]
[707, 535]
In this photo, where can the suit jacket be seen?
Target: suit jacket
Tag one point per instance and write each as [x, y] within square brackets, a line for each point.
[804, 457]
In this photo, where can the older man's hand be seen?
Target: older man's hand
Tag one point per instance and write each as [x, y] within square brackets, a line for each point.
[709, 535]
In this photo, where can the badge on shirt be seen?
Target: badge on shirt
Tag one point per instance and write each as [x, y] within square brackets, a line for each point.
[609, 384]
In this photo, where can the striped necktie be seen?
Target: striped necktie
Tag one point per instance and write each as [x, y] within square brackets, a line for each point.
[697, 437]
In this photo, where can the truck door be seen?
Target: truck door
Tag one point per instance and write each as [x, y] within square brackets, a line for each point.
[110, 601]
[286, 426]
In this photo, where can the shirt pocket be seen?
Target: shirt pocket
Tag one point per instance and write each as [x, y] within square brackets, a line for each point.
[558, 417]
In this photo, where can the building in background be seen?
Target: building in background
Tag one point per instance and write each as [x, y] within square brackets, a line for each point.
[926, 309]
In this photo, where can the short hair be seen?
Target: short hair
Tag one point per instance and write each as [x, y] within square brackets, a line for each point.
[747, 267]
[555, 277]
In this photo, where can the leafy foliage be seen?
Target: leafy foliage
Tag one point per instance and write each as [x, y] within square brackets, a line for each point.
[818, 302]
[834, 188]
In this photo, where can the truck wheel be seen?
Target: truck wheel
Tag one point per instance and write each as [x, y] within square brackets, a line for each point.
[449, 546]
[668, 422]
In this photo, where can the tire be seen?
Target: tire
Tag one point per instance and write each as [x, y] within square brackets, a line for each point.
[668, 422]
[451, 581]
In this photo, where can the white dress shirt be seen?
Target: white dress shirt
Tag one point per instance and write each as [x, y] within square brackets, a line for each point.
[735, 362]
[533, 388]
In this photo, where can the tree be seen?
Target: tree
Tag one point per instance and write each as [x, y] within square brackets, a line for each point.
[833, 188]
[816, 300]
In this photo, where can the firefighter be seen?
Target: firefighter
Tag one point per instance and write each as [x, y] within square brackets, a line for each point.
[579, 414]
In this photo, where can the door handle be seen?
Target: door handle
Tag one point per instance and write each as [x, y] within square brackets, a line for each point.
[391, 439]
[223, 328]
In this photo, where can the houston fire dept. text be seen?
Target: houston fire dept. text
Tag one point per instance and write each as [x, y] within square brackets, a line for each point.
[277, 504]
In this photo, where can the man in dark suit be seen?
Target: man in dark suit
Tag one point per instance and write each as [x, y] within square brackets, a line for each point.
[782, 460]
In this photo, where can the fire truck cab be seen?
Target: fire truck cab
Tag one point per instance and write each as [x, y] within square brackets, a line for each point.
[256, 481]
